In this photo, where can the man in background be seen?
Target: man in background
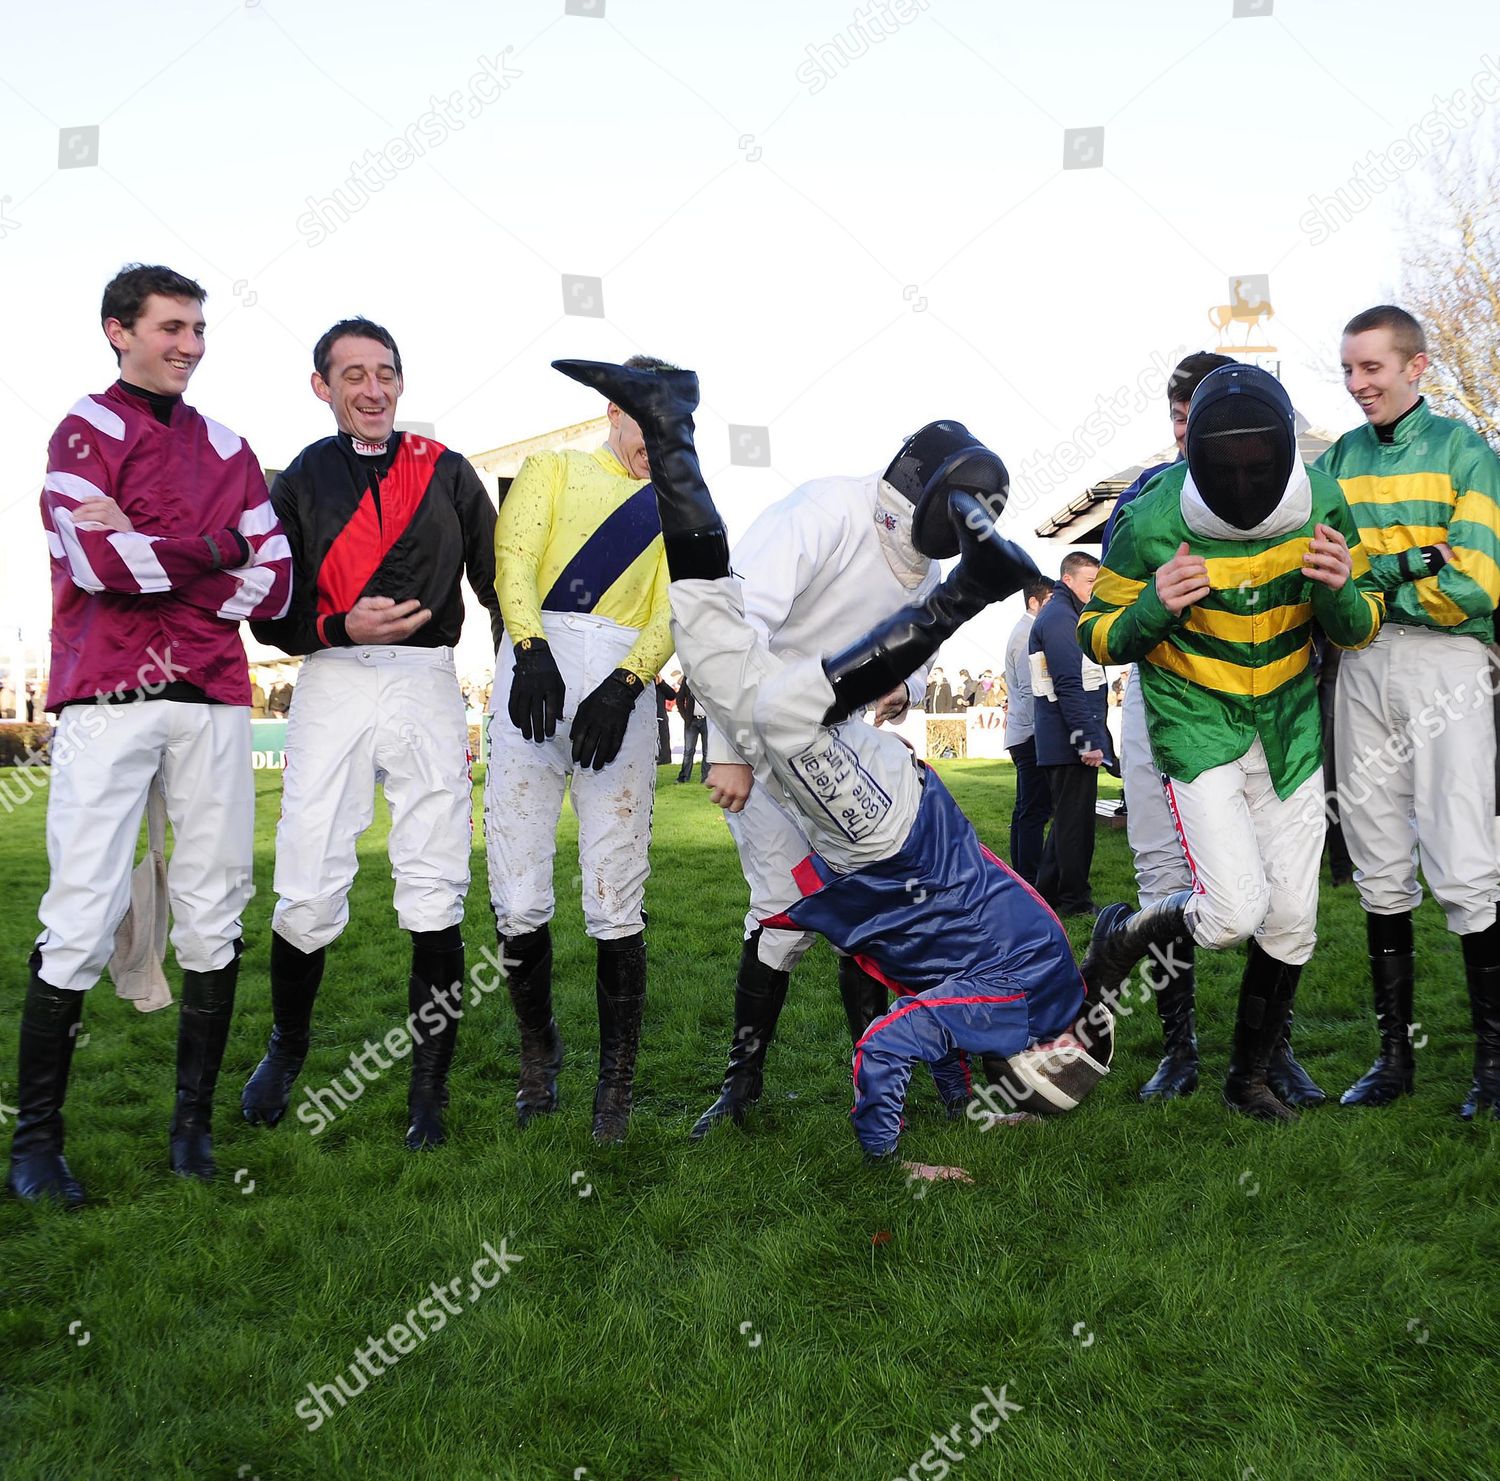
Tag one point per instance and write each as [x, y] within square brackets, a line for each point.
[1069, 717]
[1033, 803]
[665, 696]
[694, 732]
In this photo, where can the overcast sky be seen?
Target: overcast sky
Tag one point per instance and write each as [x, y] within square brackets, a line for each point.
[848, 219]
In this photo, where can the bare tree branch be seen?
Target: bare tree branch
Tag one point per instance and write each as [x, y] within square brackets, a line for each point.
[1450, 217]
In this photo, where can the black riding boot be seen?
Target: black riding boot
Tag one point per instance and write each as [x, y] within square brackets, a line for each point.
[663, 403]
[295, 977]
[864, 997]
[49, 1029]
[1122, 936]
[434, 998]
[1266, 992]
[989, 569]
[620, 989]
[1482, 965]
[759, 993]
[1176, 991]
[202, 1032]
[1392, 972]
[528, 976]
[1290, 1082]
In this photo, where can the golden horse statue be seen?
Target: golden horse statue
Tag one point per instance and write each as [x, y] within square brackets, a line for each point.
[1241, 311]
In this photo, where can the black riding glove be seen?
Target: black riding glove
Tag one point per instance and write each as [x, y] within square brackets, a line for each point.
[599, 725]
[536, 691]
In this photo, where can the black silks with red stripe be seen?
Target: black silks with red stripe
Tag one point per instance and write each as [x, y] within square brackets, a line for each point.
[412, 531]
[371, 531]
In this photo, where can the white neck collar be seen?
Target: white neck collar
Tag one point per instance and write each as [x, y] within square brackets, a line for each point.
[1292, 511]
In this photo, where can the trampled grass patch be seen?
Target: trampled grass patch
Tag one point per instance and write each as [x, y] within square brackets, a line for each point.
[1163, 1291]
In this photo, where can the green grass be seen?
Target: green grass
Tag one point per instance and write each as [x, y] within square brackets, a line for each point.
[1166, 1291]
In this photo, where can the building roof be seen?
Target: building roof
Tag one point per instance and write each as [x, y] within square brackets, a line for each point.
[503, 463]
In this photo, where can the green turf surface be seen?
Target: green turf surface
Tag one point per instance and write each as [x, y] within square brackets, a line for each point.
[1165, 1291]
